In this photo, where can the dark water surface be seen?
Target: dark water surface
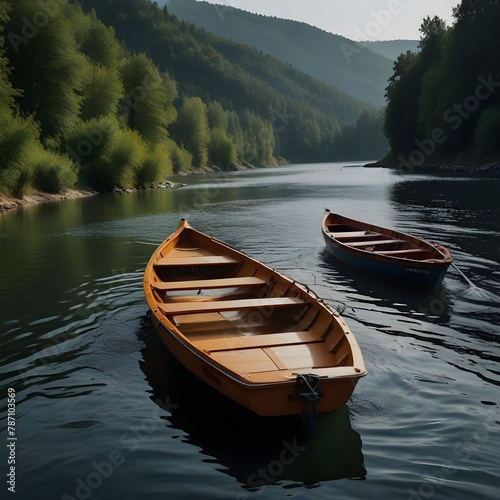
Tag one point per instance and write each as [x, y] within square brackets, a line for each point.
[103, 411]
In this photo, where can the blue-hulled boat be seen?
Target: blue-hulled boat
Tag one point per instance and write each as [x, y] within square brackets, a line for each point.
[385, 252]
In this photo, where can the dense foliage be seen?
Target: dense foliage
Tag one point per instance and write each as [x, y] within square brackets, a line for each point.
[444, 101]
[119, 93]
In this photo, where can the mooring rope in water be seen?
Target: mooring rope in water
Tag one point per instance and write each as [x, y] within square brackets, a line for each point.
[463, 275]
[479, 293]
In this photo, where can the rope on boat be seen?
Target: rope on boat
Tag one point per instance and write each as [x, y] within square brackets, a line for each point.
[310, 398]
[338, 308]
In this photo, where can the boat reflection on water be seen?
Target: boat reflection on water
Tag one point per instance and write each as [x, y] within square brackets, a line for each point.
[256, 451]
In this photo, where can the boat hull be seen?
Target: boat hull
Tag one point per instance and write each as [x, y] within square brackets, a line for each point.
[411, 273]
[267, 400]
[425, 273]
[276, 351]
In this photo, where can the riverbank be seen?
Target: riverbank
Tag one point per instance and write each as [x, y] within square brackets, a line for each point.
[490, 166]
[9, 202]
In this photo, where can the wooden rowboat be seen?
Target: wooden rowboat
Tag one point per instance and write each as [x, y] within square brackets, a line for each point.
[261, 339]
[385, 252]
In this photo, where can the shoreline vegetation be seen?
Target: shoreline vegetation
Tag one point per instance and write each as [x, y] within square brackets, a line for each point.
[488, 166]
[443, 102]
[9, 202]
[119, 95]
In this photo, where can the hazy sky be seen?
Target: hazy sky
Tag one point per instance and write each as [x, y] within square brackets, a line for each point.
[355, 19]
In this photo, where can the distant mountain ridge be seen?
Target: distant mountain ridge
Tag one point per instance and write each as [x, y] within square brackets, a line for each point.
[308, 120]
[333, 59]
[391, 48]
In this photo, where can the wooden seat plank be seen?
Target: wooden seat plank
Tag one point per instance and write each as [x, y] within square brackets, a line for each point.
[261, 340]
[372, 243]
[351, 234]
[172, 286]
[198, 260]
[399, 252]
[174, 308]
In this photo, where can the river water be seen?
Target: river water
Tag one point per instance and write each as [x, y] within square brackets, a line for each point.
[104, 411]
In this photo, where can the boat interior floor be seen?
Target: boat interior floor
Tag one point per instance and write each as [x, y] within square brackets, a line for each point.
[255, 343]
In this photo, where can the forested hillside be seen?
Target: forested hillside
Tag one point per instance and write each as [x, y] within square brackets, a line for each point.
[119, 93]
[444, 102]
[330, 58]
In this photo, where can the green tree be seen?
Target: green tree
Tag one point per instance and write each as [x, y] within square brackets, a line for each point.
[487, 132]
[47, 65]
[110, 156]
[403, 93]
[469, 10]
[19, 141]
[53, 173]
[370, 141]
[100, 45]
[217, 116]
[222, 150]
[259, 140]
[432, 47]
[146, 104]
[102, 92]
[192, 131]
[123, 160]
[102, 86]
[470, 57]
[7, 93]
[23, 161]
[88, 144]
[181, 159]
[236, 133]
[157, 164]
[433, 34]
